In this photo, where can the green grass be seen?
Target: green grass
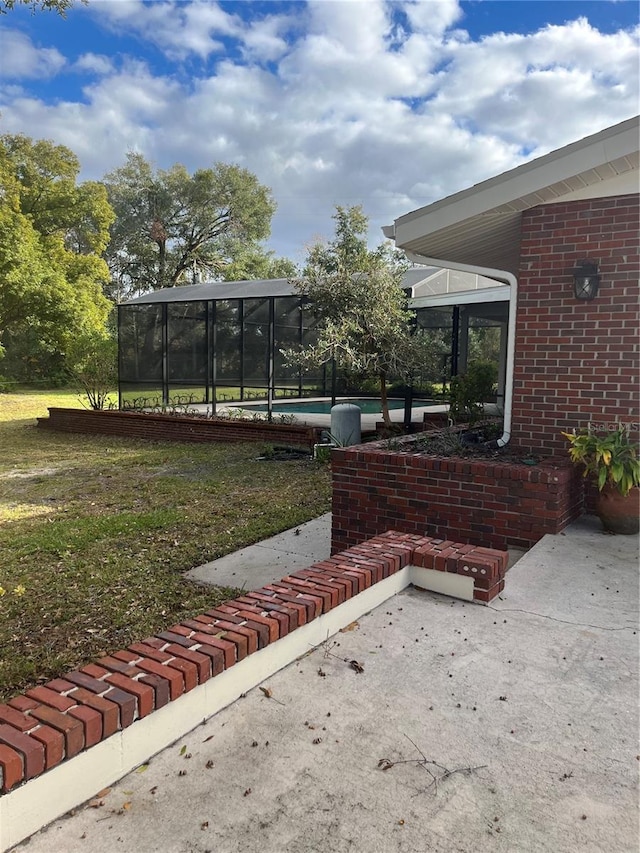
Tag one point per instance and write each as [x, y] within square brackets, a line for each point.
[98, 530]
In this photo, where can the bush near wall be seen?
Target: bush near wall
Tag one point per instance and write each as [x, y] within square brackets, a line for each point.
[160, 427]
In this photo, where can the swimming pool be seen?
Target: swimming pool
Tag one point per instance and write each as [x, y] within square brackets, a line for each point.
[368, 406]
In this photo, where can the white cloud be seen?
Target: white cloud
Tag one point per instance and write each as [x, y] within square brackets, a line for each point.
[93, 63]
[544, 89]
[432, 16]
[22, 59]
[265, 40]
[340, 102]
[178, 28]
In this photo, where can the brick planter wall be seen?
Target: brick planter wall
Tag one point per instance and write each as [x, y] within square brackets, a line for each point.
[495, 504]
[175, 427]
[577, 361]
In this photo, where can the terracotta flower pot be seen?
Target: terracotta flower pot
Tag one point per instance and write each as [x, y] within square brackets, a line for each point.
[619, 514]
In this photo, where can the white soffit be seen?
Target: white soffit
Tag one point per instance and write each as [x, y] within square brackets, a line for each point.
[480, 226]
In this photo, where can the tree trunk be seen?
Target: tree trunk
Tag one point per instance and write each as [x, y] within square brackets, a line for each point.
[384, 403]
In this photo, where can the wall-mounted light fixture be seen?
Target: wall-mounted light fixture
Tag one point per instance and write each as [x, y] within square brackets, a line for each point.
[586, 280]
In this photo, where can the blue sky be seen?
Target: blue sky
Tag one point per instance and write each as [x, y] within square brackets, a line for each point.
[390, 105]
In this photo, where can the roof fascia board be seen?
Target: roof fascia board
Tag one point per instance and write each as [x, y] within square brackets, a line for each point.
[606, 146]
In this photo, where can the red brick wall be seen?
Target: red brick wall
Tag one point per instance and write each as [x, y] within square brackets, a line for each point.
[576, 362]
[491, 504]
[175, 427]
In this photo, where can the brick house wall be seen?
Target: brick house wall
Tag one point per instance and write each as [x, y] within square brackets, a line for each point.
[576, 362]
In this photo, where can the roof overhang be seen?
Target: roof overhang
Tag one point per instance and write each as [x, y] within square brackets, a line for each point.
[480, 226]
[501, 293]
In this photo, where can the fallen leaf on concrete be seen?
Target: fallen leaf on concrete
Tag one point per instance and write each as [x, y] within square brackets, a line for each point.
[269, 694]
[96, 804]
[183, 750]
[350, 627]
[358, 667]
[103, 792]
[142, 768]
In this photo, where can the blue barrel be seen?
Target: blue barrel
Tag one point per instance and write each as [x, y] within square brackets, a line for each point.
[345, 424]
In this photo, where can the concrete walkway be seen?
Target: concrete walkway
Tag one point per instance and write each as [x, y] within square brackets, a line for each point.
[271, 559]
[511, 727]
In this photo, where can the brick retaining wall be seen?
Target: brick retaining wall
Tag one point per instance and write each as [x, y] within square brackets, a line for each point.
[159, 427]
[497, 504]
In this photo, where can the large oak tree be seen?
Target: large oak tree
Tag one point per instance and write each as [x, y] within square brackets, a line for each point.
[173, 228]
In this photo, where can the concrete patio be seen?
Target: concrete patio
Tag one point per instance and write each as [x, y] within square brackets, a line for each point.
[508, 727]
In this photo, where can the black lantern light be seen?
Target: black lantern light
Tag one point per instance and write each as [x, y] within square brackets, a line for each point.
[586, 280]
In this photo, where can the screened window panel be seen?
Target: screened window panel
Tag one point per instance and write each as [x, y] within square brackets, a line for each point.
[287, 336]
[256, 354]
[228, 341]
[184, 394]
[135, 395]
[187, 342]
[140, 343]
[256, 311]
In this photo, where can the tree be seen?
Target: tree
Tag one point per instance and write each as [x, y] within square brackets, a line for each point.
[363, 319]
[59, 6]
[93, 366]
[52, 232]
[173, 228]
[252, 261]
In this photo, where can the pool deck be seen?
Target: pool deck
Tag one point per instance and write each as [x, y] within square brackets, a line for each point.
[368, 421]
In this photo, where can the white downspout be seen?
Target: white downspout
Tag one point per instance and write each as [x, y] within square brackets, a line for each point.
[512, 281]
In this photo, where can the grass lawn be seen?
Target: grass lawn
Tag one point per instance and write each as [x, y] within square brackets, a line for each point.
[98, 531]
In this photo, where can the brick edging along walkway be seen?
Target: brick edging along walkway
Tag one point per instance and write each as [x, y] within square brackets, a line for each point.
[53, 723]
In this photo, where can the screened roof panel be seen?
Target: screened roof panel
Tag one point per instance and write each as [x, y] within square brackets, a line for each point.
[218, 290]
[416, 280]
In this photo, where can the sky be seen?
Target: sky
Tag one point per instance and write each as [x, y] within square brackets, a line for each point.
[390, 105]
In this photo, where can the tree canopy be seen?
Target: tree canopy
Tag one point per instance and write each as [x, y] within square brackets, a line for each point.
[173, 228]
[363, 319]
[52, 234]
[59, 6]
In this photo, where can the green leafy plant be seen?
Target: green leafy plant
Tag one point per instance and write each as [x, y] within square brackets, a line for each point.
[470, 390]
[93, 366]
[611, 459]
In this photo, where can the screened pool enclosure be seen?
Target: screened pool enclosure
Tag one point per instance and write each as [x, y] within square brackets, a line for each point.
[215, 342]
[222, 342]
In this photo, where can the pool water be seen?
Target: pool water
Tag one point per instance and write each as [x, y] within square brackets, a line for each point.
[368, 406]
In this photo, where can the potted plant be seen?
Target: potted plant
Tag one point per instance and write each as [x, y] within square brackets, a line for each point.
[611, 460]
